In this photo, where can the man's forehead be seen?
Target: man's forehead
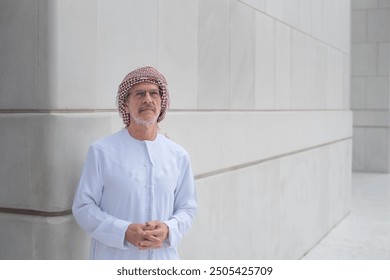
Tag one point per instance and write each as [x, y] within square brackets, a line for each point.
[144, 86]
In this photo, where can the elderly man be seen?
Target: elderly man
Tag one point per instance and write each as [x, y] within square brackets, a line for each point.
[136, 197]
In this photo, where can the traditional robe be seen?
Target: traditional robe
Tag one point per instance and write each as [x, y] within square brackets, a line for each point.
[126, 181]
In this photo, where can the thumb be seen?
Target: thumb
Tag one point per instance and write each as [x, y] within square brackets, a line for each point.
[149, 226]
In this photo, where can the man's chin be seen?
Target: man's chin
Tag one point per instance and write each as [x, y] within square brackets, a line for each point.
[145, 121]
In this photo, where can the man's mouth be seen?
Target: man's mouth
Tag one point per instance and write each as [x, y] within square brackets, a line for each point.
[146, 109]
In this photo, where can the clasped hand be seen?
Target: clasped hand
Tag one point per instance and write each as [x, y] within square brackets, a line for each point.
[147, 236]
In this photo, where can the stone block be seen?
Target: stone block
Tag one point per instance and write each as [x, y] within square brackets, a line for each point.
[67, 54]
[299, 85]
[19, 87]
[275, 8]
[282, 66]
[337, 77]
[376, 147]
[316, 18]
[256, 4]
[364, 59]
[358, 150]
[377, 93]
[346, 81]
[127, 39]
[44, 156]
[319, 85]
[285, 204]
[24, 237]
[239, 138]
[264, 62]
[330, 20]
[178, 50]
[336, 23]
[358, 92]
[384, 4]
[242, 57]
[378, 25]
[368, 118]
[313, 98]
[304, 15]
[359, 26]
[214, 54]
[383, 59]
[364, 4]
[291, 13]
[15, 166]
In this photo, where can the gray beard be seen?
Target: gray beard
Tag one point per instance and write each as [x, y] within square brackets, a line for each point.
[144, 122]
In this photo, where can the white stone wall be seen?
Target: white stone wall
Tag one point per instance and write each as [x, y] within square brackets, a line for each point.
[370, 84]
[260, 99]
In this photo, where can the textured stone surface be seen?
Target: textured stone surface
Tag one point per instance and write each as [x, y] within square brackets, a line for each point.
[245, 137]
[370, 85]
[45, 153]
[32, 237]
[250, 81]
[284, 206]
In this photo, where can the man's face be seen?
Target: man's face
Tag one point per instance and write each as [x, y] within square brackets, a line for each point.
[144, 103]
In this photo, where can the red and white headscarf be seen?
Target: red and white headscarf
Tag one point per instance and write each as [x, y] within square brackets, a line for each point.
[141, 75]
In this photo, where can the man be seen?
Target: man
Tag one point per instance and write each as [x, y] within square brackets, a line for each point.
[136, 197]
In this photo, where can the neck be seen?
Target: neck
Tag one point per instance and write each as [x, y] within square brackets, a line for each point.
[143, 132]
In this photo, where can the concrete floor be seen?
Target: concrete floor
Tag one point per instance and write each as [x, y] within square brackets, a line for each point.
[364, 234]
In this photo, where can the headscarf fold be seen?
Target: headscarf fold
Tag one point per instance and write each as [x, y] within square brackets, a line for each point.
[141, 75]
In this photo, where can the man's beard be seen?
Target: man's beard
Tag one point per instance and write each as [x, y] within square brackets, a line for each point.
[143, 122]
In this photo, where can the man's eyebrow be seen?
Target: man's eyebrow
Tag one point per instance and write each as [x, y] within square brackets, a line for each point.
[138, 90]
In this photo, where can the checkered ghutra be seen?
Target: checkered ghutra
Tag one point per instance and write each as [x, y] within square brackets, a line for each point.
[140, 75]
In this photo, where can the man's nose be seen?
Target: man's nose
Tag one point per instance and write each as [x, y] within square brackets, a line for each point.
[148, 97]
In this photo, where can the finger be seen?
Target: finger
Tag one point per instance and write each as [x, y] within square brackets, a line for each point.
[152, 232]
[143, 245]
[134, 234]
[151, 238]
[149, 226]
[159, 231]
[153, 246]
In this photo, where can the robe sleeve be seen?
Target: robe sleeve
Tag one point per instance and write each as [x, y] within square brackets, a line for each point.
[97, 223]
[185, 205]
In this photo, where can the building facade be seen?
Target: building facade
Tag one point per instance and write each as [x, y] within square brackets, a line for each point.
[370, 85]
[260, 100]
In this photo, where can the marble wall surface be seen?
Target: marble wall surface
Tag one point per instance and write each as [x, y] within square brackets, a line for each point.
[370, 85]
[260, 99]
